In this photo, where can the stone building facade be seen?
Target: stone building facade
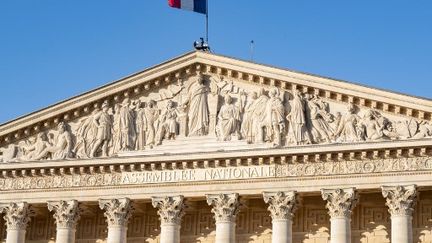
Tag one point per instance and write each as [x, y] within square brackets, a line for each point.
[206, 148]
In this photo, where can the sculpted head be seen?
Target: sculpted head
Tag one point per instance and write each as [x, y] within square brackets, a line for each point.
[351, 108]
[261, 91]
[126, 102]
[61, 127]
[254, 95]
[105, 106]
[227, 99]
[151, 103]
[170, 104]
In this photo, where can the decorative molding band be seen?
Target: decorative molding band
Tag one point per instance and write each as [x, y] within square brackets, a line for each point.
[98, 178]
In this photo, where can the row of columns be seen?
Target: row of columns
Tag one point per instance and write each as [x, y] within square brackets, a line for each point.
[225, 207]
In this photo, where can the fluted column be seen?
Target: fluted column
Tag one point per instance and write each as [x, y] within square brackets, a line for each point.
[282, 206]
[171, 211]
[66, 215]
[401, 201]
[17, 217]
[117, 213]
[340, 203]
[225, 209]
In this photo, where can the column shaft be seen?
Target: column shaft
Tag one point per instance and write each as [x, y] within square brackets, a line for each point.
[117, 234]
[65, 235]
[401, 229]
[15, 236]
[170, 233]
[340, 229]
[225, 232]
[282, 231]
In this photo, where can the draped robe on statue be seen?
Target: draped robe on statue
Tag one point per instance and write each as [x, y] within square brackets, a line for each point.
[198, 110]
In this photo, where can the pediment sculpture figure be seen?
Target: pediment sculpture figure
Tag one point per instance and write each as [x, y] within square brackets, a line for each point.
[168, 123]
[228, 120]
[198, 110]
[297, 132]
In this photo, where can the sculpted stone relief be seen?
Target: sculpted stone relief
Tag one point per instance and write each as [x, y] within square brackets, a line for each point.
[216, 108]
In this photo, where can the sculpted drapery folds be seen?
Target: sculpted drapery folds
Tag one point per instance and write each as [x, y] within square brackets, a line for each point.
[248, 125]
[170, 209]
[225, 206]
[191, 110]
[282, 205]
[141, 125]
[16, 215]
[152, 116]
[168, 123]
[275, 114]
[116, 211]
[319, 119]
[228, 120]
[126, 126]
[340, 202]
[198, 113]
[103, 124]
[297, 133]
[66, 213]
[400, 199]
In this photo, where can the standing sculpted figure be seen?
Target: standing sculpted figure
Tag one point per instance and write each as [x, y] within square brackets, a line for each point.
[152, 115]
[168, 123]
[103, 123]
[298, 132]
[116, 130]
[348, 126]
[86, 136]
[248, 125]
[275, 118]
[126, 126]
[319, 118]
[141, 125]
[228, 120]
[259, 116]
[198, 114]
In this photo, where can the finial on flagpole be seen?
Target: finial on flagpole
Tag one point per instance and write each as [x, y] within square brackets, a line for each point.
[252, 43]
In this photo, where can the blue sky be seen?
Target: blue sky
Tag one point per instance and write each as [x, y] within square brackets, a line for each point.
[51, 50]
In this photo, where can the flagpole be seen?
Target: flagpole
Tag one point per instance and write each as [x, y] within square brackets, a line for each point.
[207, 20]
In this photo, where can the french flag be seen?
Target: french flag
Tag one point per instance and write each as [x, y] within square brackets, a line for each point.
[199, 6]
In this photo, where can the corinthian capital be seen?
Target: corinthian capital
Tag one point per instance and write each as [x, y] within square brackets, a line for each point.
[170, 209]
[400, 199]
[117, 211]
[17, 215]
[282, 205]
[340, 202]
[225, 206]
[66, 213]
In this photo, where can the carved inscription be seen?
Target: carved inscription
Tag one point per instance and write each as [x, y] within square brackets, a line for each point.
[217, 174]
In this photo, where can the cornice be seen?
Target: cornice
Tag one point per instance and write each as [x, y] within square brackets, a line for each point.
[293, 155]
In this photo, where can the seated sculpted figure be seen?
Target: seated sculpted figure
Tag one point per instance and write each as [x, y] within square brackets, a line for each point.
[228, 120]
[62, 148]
[348, 129]
[168, 123]
[37, 148]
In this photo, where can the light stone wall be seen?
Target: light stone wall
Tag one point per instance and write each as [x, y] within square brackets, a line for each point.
[370, 222]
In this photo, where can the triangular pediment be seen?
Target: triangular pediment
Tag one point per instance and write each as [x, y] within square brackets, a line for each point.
[201, 102]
